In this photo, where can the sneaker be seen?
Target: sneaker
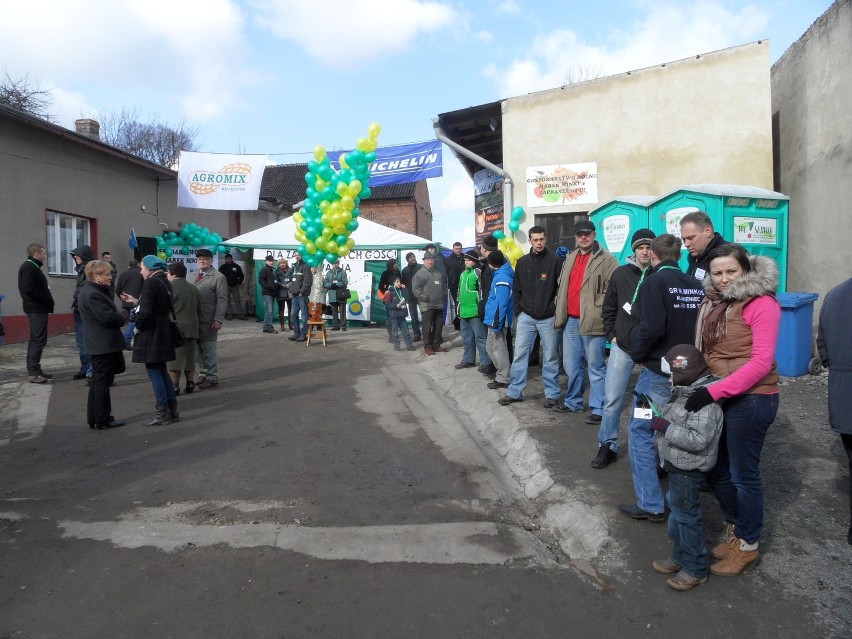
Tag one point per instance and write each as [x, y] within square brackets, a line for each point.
[495, 385]
[46, 375]
[301, 339]
[593, 419]
[79, 376]
[551, 403]
[506, 400]
[684, 581]
[605, 457]
[464, 365]
[271, 331]
[562, 408]
[666, 566]
[37, 379]
[633, 511]
[293, 338]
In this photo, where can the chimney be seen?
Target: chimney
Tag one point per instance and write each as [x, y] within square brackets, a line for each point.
[89, 128]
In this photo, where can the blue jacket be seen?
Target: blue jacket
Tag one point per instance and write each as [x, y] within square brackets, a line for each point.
[499, 309]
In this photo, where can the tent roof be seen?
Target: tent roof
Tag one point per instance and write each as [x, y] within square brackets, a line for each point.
[370, 235]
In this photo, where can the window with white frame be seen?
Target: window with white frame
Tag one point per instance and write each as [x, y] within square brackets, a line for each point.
[65, 233]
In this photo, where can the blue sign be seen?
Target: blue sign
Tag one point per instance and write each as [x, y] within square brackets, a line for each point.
[402, 163]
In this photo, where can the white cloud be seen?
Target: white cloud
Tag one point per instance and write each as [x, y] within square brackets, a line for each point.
[171, 51]
[348, 32]
[670, 31]
[510, 7]
[451, 197]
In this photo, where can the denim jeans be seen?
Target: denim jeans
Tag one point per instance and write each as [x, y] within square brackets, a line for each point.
[473, 337]
[577, 350]
[619, 366]
[128, 333]
[85, 358]
[164, 387]
[300, 315]
[398, 326]
[38, 340]
[642, 448]
[526, 328]
[735, 479]
[268, 310]
[686, 527]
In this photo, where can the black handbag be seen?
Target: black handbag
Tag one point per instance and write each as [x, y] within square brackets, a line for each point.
[178, 339]
[343, 294]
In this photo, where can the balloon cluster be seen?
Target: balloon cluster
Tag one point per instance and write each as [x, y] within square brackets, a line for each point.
[191, 234]
[330, 213]
[508, 244]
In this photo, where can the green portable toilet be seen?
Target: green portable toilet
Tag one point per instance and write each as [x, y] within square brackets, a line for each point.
[754, 217]
[618, 219]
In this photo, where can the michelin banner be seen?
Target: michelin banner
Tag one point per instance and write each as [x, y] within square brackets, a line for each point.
[220, 181]
[402, 163]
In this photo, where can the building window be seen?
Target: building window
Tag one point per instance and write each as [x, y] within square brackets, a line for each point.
[64, 233]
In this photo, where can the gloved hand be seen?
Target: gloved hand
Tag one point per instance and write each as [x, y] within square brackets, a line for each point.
[698, 400]
[659, 424]
[333, 286]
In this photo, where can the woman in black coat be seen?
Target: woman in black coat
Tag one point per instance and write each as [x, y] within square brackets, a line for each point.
[102, 339]
[153, 345]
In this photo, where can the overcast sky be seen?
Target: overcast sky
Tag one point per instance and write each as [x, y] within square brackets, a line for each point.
[282, 76]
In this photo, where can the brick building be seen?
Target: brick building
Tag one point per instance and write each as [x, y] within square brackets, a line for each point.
[404, 207]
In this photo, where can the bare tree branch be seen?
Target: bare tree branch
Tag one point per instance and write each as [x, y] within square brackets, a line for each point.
[152, 141]
[582, 73]
[26, 96]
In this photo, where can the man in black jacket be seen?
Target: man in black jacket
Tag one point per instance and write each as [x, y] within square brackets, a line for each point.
[234, 277]
[82, 255]
[38, 304]
[269, 290]
[666, 309]
[406, 276]
[619, 326]
[699, 238]
[300, 288]
[130, 282]
[455, 267]
[534, 291]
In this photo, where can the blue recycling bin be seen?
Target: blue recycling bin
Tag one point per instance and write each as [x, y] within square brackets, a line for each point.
[795, 335]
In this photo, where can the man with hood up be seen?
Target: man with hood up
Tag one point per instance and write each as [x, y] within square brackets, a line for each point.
[81, 255]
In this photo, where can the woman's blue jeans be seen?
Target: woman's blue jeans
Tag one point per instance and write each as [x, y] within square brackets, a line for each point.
[735, 479]
[164, 387]
[686, 527]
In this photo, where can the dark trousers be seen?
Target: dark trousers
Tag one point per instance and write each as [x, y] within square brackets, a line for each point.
[338, 314]
[847, 444]
[282, 302]
[432, 321]
[104, 368]
[38, 339]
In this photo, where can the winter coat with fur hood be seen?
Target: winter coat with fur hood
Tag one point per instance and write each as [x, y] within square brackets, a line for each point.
[737, 330]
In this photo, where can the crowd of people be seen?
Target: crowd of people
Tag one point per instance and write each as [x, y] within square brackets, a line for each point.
[704, 341]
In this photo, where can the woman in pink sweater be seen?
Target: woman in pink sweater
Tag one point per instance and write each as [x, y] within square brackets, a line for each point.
[737, 330]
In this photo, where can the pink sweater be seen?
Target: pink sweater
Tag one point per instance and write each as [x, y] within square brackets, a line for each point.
[763, 317]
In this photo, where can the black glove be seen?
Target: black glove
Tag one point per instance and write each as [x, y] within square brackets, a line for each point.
[698, 400]
[659, 424]
[333, 286]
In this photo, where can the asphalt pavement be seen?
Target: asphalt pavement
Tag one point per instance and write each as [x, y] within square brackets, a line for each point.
[350, 490]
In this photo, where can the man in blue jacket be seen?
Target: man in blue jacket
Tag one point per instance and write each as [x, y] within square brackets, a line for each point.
[498, 316]
[666, 309]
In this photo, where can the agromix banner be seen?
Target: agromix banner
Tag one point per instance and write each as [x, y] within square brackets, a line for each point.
[220, 181]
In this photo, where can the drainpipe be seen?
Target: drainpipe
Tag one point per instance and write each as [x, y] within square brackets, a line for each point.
[508, 200]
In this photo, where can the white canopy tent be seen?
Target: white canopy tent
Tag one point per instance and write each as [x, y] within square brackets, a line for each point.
[369, 235]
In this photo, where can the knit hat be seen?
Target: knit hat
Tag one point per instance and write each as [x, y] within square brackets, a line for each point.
[471, 255]
[562, 251]
[496, 258]
[154, 263]
[642, 236]
[489, 242]
[686, 364]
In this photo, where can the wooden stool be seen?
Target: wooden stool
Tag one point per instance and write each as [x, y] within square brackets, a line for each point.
[316, 326]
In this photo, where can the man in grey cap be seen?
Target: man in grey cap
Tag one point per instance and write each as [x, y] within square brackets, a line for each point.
[430, 289]
[213, 290]
[619, 327]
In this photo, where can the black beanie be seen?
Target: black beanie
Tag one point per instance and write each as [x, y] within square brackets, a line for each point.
[687, 364]
[642, 236]
[496, 258]
[489, 242]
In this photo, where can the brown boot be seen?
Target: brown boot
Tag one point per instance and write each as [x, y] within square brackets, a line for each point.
[735, 561]
[719, 552]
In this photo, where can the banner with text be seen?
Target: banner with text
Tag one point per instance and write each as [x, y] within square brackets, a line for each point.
[487, 203]
[557, 185]
[219, 181]
[402, 163]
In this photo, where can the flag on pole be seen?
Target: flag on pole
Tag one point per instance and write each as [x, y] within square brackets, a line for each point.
[132, 243]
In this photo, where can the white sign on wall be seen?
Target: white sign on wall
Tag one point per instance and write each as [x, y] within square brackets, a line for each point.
[561, 184]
